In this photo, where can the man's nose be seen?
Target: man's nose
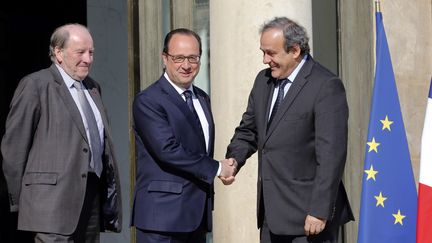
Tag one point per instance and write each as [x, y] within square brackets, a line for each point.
[87, 57]
[266, 59]
[186, 64]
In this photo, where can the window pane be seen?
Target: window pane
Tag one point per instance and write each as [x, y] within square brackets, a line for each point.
[201, 25]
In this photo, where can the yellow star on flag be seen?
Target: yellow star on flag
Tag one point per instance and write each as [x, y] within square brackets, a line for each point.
[373, 145]
[386, 123]
[371, 173]
[380, 199]
[398, 217]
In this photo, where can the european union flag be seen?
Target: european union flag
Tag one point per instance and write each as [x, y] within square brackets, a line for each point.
[389, 197]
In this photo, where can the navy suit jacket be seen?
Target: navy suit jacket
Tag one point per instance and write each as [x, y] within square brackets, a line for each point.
[175, 173]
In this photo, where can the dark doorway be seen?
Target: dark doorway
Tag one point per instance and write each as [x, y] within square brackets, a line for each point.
[25, 30]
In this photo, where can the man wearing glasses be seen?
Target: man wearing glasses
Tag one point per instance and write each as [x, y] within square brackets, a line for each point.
[174, 133]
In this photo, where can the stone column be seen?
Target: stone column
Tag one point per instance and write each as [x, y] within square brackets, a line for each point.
[182, 14]
[357, 75]
[150, 41]
[235, 61]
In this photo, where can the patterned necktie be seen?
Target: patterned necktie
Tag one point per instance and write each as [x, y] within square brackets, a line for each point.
[279, 99]
[189, 102]
[95, 142]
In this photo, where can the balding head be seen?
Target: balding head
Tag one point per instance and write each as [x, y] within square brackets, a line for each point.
[62, 34]
[72, 49]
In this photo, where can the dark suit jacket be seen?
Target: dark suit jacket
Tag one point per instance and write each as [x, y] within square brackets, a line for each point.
[302, 154]
[175, 174]
[46, 156]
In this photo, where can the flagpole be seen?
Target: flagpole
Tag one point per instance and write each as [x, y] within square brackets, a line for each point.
[377, 6]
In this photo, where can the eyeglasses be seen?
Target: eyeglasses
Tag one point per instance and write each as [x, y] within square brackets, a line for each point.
[180, 59]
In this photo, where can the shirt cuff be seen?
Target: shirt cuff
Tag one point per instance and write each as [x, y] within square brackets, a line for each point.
[219, 169]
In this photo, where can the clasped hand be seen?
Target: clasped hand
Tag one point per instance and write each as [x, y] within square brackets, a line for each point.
[228, 171]
[313, 225]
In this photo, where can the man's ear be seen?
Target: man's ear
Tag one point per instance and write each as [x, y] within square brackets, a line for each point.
[58, 54]
[296, 51]
[164, 59]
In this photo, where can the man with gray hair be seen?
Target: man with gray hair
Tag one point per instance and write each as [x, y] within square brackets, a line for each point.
[297, 119]
[58, 156]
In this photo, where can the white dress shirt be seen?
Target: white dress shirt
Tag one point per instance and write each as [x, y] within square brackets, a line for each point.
[199, 110]
[291, 77]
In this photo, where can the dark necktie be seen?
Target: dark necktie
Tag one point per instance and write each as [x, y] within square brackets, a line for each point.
[95, 142]
[279, 99]
[189, 102]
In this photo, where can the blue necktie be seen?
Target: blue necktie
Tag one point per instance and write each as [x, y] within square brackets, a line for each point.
[279, 99]
[95, 142]
[189, 102]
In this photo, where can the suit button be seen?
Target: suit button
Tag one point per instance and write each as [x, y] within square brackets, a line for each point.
[264, 151]
[85, 150]
[83, 175]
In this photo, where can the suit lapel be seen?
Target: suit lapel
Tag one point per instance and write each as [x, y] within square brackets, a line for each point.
[268, 97]
[207, 111]
[97, 99]
[292, 93]
[177, 100]
[67, 99]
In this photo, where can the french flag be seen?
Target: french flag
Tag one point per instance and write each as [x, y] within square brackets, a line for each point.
[424, 210]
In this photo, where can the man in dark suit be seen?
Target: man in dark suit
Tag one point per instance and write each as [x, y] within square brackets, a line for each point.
[174, 135]
[296, 118]
[58, 156]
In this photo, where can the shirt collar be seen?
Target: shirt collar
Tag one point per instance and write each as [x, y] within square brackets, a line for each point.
[294, 73]
[179, 90]
[66, 78]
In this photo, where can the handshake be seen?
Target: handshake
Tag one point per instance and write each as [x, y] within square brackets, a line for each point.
[228, 171]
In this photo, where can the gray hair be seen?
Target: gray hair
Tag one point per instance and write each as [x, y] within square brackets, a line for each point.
[294, 34]
[59, 38]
